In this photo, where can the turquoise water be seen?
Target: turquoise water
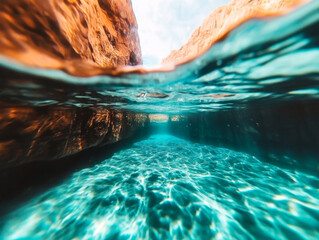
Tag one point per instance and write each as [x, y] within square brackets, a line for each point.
[263, 60]
[245, 165]
[168, 188]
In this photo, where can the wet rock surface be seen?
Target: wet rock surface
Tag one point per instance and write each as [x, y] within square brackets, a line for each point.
[223, 20]
[69, 34]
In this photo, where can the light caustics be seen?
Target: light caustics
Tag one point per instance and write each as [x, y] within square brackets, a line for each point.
[165, 187]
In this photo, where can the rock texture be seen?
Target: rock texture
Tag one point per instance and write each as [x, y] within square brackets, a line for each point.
[31, 134]
[66, 34]
[222, 20]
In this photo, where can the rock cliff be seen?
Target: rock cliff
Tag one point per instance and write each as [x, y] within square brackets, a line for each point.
[224, 19]
[60, 33]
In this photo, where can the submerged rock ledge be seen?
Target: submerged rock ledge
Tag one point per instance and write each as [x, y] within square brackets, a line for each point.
[31, 134]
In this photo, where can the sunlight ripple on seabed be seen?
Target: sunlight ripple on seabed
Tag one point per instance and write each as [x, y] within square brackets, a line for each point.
[165, 187]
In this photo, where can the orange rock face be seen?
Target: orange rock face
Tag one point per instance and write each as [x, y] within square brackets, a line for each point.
[66, 34]
[31, 134]
[224, 19]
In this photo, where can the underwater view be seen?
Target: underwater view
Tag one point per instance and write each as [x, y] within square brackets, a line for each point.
[165, 187]
[145, 120]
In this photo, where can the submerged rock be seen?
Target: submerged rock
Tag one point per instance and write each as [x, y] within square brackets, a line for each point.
[224, 19]
[66, 34]
[46, 133]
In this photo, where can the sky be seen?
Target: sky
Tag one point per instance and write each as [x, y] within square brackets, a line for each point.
[165, 25]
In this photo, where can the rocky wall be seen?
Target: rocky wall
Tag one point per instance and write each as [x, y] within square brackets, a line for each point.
[223, 20]
[68, 34]
[31, 134]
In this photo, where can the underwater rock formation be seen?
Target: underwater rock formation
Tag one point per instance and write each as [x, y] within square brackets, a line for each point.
[66, 34]
[46, 133]
[224, 19]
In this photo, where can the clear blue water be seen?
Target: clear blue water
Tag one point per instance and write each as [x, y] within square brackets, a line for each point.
[168, 188]
[165, 187]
